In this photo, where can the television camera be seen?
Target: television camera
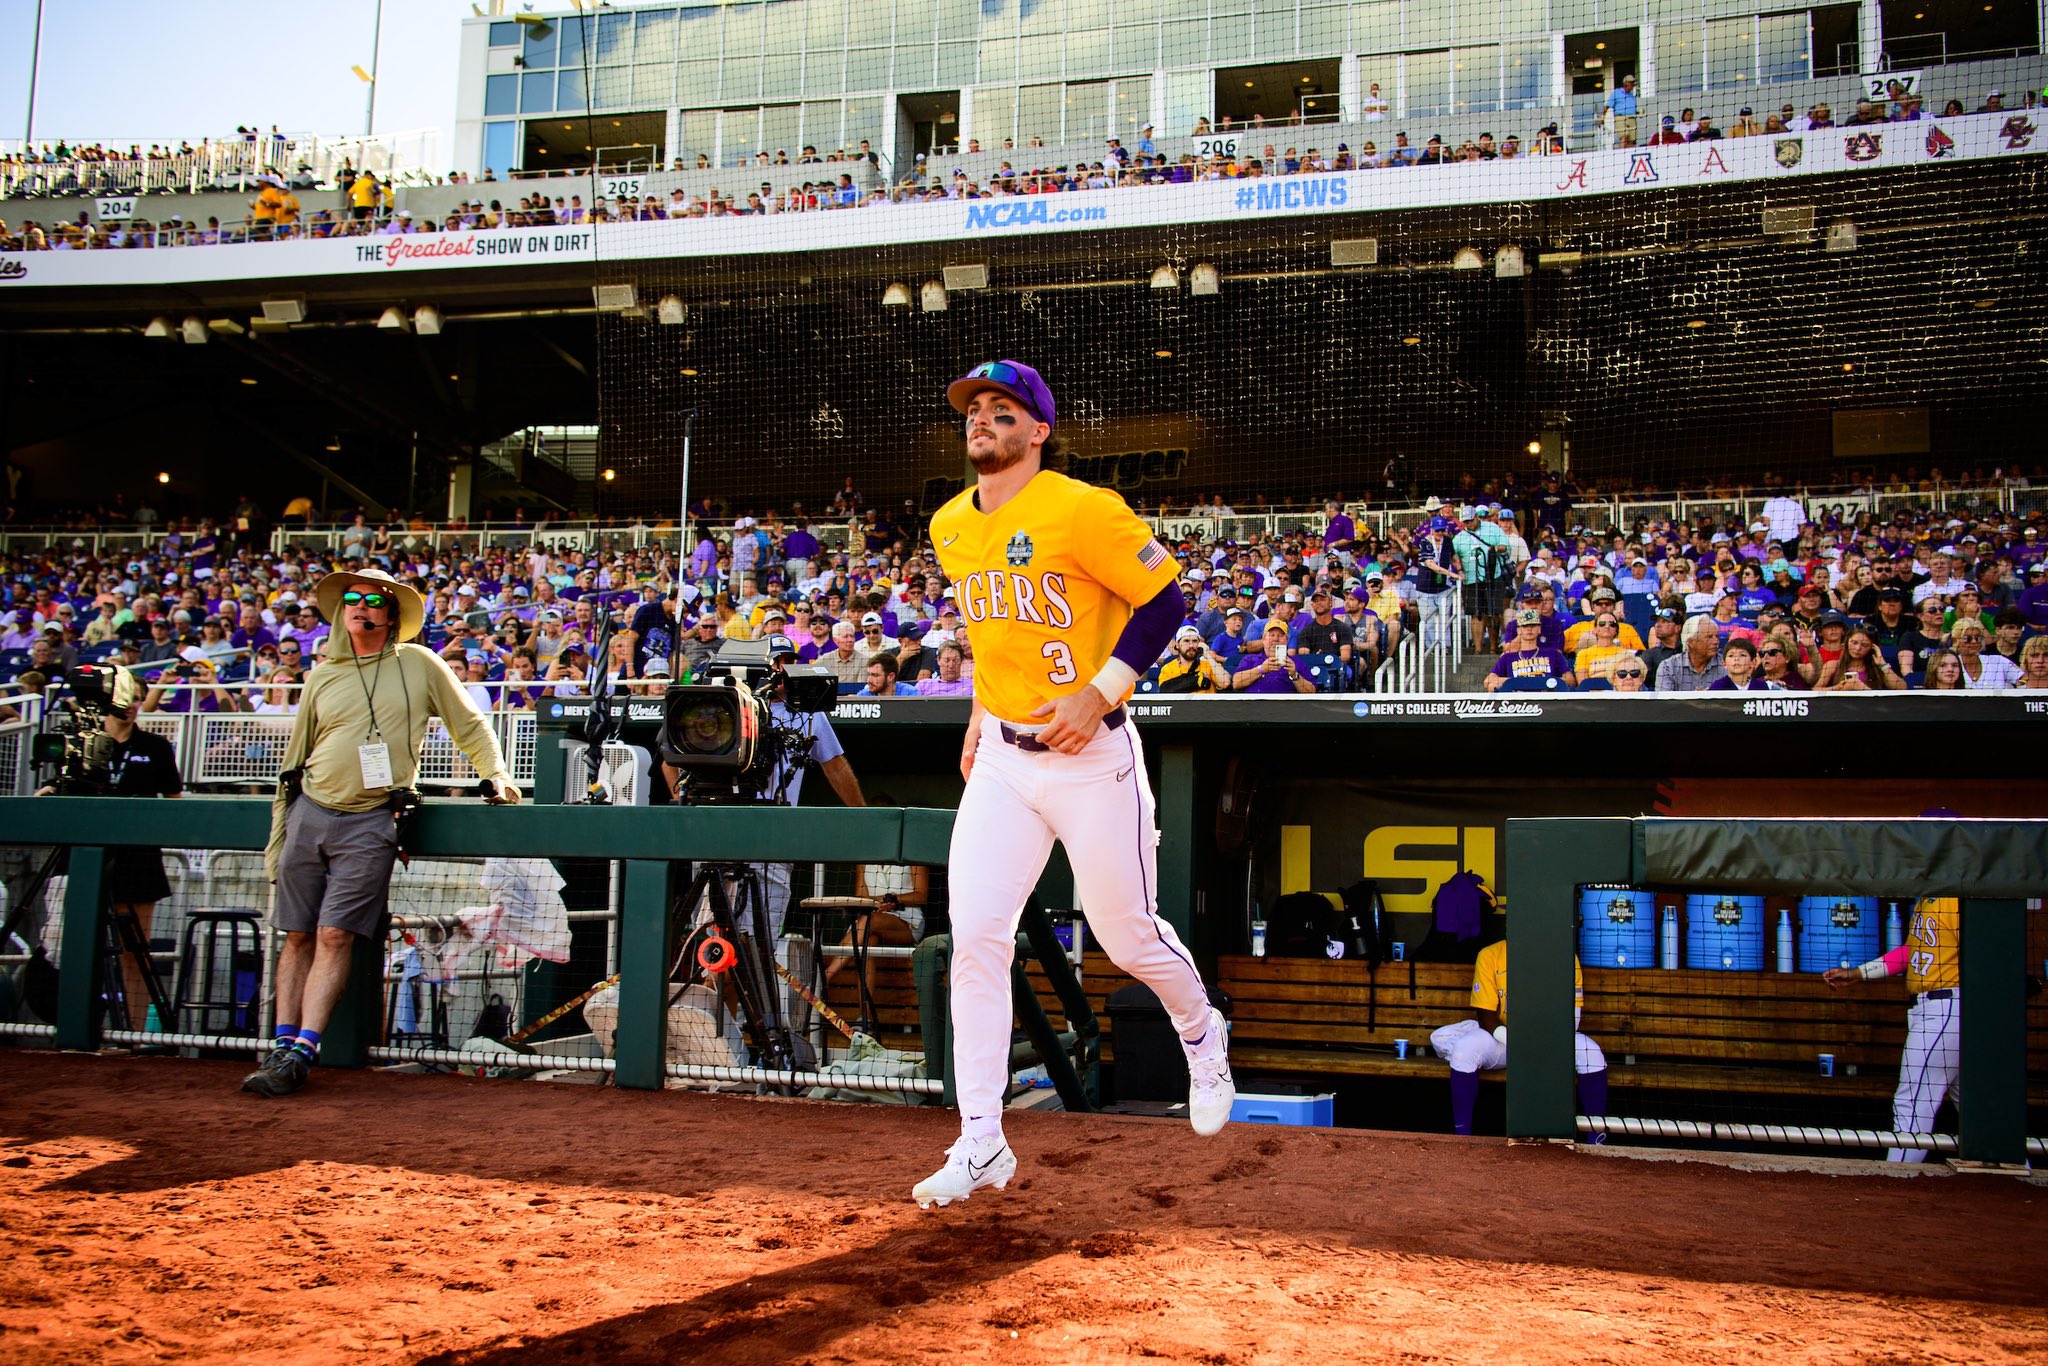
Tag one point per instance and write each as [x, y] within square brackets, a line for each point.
[725, 734]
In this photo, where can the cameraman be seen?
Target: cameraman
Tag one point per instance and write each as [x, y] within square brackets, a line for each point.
[140, 763]
[785, 785]
[347, 783]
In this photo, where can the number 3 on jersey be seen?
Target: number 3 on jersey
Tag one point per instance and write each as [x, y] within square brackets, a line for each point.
[1062, 661]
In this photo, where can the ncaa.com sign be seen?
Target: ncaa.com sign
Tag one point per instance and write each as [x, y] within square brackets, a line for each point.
[1029, 213]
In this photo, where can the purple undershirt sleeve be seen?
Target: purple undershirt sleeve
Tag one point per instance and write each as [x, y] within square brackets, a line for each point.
[1150, 628]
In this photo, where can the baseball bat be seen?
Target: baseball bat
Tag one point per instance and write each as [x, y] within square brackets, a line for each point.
[831, 1016]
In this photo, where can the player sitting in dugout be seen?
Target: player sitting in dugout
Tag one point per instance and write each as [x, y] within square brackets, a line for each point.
[1473, 1046]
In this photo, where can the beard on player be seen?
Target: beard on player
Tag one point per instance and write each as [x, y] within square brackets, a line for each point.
[1002, 449]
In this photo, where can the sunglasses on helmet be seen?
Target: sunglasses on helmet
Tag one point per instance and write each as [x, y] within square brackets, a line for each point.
[999, 371]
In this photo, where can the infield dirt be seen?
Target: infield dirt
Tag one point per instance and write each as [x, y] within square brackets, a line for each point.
[149, 1212]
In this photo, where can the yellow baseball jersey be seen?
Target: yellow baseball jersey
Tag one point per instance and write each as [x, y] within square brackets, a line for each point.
[1490, 980]
[1047, 582]
[1932, 943]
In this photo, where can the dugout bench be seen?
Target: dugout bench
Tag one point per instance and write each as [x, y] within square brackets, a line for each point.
[1746, 1033]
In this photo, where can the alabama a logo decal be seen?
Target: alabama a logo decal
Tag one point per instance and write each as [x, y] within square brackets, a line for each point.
[1641, 169]
[1018, 551]
[1939, 144]
[1791, 151]
[2017, 132]
[1863, 146]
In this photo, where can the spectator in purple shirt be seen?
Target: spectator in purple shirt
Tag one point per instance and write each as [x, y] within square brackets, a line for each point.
[799, 548]
[252, 634]
[2034, 602]
[1268, 668]
[1528, 657]
[1339, 532]
[947, 682]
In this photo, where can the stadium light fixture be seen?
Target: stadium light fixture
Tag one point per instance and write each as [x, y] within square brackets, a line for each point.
[1411, 341]
[426, 320]
[159, 329]
[609, 475]
[1695, 322]
[1535, 448]
[1166, 277]
[897, 295]
[249, 379]
[1163, 354]
[163, 476]
[614, 298]
[1468, 258]
[932, 298]
[669, 312]
[291, 309]
[687, 373]
[1841, 236]
[392, 319]
[1509, 263]
[226, 326]
[194, 333]
[1205, 279]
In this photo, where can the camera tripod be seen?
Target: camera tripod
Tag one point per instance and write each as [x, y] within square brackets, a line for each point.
[739, 921]
[123, 935]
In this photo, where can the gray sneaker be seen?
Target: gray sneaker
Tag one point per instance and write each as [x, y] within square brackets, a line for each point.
[282, 1073]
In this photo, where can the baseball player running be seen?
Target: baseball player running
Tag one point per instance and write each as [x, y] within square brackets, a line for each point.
[1931, 1066]
[1071, 599]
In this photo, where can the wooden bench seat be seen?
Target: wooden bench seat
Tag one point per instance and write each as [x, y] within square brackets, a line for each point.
[1751, 1033]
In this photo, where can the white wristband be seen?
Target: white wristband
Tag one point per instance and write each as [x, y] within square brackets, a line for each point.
[1116, 679]
[1875, 970]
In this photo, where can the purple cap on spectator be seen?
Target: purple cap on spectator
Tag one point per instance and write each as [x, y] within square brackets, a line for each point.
[1014, 378]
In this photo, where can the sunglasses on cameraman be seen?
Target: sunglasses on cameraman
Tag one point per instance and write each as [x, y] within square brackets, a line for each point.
[353, 598]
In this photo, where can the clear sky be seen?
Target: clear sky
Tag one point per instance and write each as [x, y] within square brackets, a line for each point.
[146, 71]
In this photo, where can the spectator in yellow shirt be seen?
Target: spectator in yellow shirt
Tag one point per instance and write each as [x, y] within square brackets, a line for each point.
[362, 197]
[1597, 657]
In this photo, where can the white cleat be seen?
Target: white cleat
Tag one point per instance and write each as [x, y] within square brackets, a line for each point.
[1211, 1092]
[971, 1164]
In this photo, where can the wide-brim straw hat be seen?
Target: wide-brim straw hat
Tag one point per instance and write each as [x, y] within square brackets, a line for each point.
[412, 611]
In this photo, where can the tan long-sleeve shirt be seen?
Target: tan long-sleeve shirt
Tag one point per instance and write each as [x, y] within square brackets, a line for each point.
[409, 685]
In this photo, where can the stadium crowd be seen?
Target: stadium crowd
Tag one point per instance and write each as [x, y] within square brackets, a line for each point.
[1801, 598]
[853, 178]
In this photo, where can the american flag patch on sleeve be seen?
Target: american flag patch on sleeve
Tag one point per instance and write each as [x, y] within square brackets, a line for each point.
[1152, 555]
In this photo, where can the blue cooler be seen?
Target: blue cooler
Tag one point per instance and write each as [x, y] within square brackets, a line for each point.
[1839, 932]
[1318, 1111]
[1725, 932]
[1617, 927]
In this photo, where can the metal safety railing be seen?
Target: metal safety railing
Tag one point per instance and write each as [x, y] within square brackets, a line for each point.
[1788, 1135]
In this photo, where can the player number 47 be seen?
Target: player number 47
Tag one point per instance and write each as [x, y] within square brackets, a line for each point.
[1062, 658]
[1922, 963]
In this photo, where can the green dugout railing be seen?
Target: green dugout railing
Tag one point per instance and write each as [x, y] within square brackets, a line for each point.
[649, 840]
[1992, 865]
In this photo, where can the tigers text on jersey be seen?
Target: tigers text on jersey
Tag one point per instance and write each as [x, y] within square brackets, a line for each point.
[1047, 583]
[1932, 943]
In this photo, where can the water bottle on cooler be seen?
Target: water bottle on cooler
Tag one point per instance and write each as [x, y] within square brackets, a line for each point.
[1667, 941]
[1785, 959]
[1894, 929]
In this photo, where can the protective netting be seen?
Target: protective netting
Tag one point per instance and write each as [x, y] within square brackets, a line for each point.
[1639, 282]
[511, 965]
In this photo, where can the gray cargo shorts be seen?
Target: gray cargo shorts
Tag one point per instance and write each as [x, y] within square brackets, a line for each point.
[335, 868]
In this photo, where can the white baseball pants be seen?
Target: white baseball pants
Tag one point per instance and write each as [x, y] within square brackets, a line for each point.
[1468, 1048]
[1099, 804]
[1930, 1069]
